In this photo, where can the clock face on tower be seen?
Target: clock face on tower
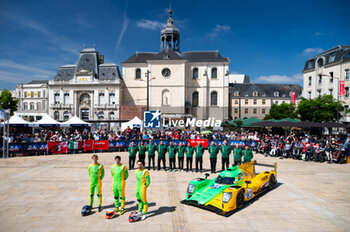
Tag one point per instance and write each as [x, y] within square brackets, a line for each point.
[166, 72]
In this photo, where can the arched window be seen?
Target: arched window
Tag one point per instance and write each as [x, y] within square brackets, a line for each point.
[214, 73]
[111, 115]
[25, 106]
[31, 106]
[195, 73]
[85, 99]
[195, 99]
[276, 94]
[255, 94]
[38, 106]
[320, 62]
[101, 115]
[236, 93]
[138, 73]
[214, 98]
[56, 115]
[65, 115]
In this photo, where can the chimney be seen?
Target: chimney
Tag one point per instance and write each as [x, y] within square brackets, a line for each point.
[102, 59]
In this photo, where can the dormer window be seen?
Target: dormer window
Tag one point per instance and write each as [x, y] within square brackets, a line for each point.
[276, 94]
[255, 94]
[236, 93]
[332, 57]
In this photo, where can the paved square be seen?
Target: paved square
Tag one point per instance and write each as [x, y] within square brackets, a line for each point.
[46, 193]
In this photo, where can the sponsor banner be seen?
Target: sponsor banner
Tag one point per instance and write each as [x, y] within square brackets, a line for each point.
[26, 147]
[195, 142]
[293, 95]
[57, 147]
[341, 88]
[101, 145]
[88, 145]
[75, 145]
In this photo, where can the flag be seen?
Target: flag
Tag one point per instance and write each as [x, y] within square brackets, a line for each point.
[88, 145]
[341, 88]
[75, 145]
[101, 145]
[293, 97]
[57, 147]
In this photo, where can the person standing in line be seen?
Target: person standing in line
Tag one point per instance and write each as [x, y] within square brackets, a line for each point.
[142, 182]
[213, 152]
[199, 156]
[151, 150]
[237, 155]
[189, 156]
[119, 174]
[172, 156]
[225, 154]
[180, 155]
[132, 155]
[142, 151]
[96, 174]
[162, 149]
[247, 154]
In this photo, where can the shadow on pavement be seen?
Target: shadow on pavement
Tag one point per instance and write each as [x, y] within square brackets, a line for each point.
[136, 207]
[161, 210]
[112, 205]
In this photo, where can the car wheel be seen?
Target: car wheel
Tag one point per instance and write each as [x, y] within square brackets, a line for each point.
[272, 181]
[240, 199]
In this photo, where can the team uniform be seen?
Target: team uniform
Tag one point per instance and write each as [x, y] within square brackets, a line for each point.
[213, 152]
[162, 149]
[142, 182]
[172, 156]
[237, 156]
[225, 154]
[247, 155]
[199, 157]
[132, 156]
[151, 150]
[120, 174]
[180, 156]
[142, 152]
[189, 154]
[96, 174]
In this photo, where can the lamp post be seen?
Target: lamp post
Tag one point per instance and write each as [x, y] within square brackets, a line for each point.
[147, 80]
[325, 75]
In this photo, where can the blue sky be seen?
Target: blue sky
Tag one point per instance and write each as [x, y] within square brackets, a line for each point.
[267, 40]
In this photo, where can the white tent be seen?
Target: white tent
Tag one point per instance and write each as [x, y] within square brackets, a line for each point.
[75, 121]
[16, 120]
[135, 122]
[47, 121]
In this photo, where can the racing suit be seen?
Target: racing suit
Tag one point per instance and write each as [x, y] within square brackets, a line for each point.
[142, 182]
[120, 174]
[96, 174]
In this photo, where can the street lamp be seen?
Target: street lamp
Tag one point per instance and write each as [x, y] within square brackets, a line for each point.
[325, 75]
[147, 80]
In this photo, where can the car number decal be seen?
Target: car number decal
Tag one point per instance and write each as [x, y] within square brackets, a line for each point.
[216, 186]
[249, 193]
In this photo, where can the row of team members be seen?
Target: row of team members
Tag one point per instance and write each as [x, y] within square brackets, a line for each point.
[119, 174]
[183, 151]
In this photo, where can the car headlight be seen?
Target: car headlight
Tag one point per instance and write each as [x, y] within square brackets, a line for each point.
[191, 188]
[226, 197]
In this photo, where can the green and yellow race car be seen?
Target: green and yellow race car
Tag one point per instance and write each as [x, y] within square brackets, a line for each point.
[231, 188]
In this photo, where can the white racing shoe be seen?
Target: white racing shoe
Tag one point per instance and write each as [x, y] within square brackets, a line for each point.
[144, 216]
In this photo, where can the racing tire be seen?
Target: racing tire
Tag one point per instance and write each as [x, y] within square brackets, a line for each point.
[239, 199]
[272, 182]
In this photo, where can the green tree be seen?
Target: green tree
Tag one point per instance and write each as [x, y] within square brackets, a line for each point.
[7, 102]
[282, 111]
[321, 109]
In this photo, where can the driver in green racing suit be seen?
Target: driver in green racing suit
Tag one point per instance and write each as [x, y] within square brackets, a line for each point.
[96, 174]
[119, 173]
[142, 182]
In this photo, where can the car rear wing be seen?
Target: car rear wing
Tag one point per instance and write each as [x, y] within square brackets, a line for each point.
[267, 165]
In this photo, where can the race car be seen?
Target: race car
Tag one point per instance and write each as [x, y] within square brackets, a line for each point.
[231, 188]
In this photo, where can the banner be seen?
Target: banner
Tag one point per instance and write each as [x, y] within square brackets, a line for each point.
[341, 88]
[88, 145]
[293, 97]
[75, 145]
[57, 147]
[195, 142]
[101, 145]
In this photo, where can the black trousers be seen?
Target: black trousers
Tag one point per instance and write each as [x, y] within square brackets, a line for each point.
[161, 159]
[181, 162]
[151, 159]
[142, 158]
[199, 162]
[237, 162]
[172, 163]
[189, 163]
[212, 165]
[225, 162]
[132, 162]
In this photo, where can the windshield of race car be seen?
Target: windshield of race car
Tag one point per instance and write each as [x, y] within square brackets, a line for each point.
[224, 180]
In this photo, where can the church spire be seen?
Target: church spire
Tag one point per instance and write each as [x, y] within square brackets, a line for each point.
[170, 35]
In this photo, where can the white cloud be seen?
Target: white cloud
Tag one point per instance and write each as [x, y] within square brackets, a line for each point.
[26, 68]
[312, 51]
[219, 28]
[150, 24]
[280, 79]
